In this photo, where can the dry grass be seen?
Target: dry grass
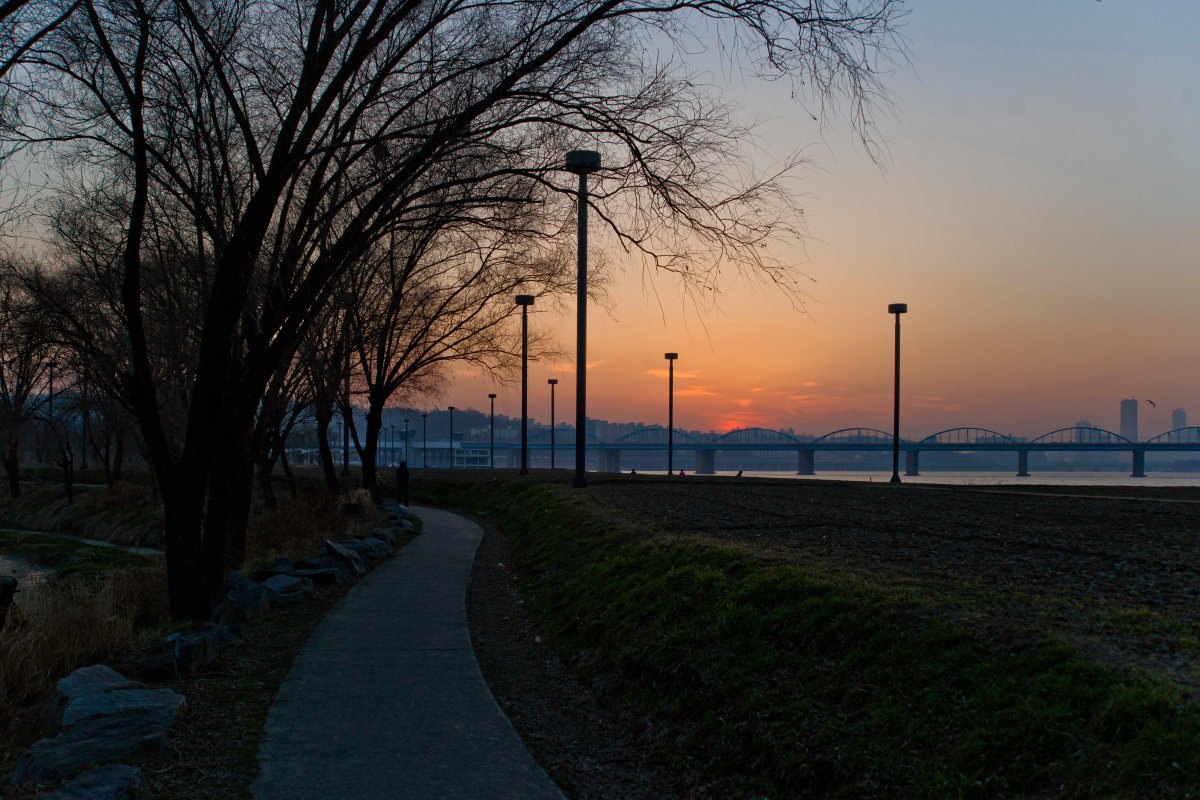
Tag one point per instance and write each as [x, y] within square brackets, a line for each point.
[56, 626]
[298, 527]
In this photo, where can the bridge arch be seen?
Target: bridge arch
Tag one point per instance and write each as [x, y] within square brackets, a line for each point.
[757, 436]
[968, 436]
[562, 436]
[655, 435]
[1078, 435]
[856, 436]
[1189, 435]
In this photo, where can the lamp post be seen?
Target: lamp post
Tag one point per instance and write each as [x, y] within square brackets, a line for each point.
[524, 301]
[553, 382]
[392, 455]
[492, 432]
[581, 162]
[405, 440]
[897, 309]
[424, 440]
[670, 357]
[451, 456]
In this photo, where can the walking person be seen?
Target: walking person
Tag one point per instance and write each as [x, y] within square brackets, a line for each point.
[402, 481]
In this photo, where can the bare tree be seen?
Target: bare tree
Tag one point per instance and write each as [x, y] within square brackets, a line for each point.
[25, 355]
[283, 141]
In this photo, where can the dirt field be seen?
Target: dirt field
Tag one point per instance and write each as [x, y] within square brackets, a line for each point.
[1120, 578]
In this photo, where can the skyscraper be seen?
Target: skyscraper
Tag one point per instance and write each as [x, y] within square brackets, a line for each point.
[1129, 419]
[1178, 419]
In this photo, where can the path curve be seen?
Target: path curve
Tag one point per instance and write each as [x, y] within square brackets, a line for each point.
[386, 699]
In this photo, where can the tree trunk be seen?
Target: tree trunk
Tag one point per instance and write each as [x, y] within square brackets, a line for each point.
[183, 508]
[370, 448]
[293, 491]
[231, 485]
[331, 477]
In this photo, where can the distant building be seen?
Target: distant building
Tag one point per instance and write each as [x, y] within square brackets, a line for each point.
[1178, 419]
[1129, 419]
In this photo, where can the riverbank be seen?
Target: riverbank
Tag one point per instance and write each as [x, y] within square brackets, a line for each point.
[815, 639]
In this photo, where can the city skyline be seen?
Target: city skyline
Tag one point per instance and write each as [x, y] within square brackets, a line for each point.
[1032, 205]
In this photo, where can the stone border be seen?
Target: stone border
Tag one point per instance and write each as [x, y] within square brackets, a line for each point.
[106, 719]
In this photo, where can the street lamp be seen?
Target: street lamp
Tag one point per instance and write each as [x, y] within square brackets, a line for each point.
[424, 440]
[670, 357]
[492, 434]
[581, 162]
[393, 452]
[405, 440]
[897, 309]
[524, 301]
[451, 456]
[553, 382]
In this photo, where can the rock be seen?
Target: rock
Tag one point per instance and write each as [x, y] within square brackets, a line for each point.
[406, 525]
[113, 782]
[346, 556]
[387, 535]
[361, 548]
[282, 564]
[83, 681]
[376, 548]
[160, 705]
[194, 650]
[226, 634]
[317, 562]
[243, 604]
[98, 740]
[288, 587]
[324, 577]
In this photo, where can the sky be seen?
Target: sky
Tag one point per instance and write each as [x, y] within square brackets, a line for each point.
[1035, 201]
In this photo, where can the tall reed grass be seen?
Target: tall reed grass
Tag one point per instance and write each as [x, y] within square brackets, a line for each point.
[57, 626]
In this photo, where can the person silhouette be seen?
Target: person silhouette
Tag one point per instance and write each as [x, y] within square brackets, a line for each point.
[402, 481]
[681, 473]
[739, 474]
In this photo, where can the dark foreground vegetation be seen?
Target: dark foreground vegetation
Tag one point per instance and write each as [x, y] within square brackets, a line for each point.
[107, 605]
[787, 639]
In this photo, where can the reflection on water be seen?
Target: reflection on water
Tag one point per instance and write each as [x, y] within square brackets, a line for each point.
[1000, 478]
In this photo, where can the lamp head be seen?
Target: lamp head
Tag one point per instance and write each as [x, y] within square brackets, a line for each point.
[897, 308]
[670, 356]
[524, 299]
[552, 381]
[491, 396]
[582, 162]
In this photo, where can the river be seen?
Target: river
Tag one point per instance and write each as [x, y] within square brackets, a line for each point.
[997, 478]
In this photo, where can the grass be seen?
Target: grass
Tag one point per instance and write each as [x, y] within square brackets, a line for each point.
[768, 679]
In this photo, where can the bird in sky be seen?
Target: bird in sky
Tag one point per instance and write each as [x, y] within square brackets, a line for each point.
[1152, 404]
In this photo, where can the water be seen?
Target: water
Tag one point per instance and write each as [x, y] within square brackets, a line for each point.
[996, 478]
[26, 572]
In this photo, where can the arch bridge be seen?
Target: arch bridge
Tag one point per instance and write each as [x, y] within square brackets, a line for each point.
[961, 439]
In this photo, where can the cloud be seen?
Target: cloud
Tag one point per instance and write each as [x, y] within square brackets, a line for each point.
[743, 402]
[695, 391]
[662, 373]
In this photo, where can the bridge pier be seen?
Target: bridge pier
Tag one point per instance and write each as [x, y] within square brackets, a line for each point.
[912, 458]
[706, 462]
[1022, 463]
[1139, 464]
[610, 460]
[807, 462]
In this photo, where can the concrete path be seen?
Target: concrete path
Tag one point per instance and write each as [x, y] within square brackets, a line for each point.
[386, 699]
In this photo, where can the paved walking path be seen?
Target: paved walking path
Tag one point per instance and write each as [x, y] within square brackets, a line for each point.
[386, 699]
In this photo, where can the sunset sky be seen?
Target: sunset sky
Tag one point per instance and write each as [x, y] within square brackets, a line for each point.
[1036, 205]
